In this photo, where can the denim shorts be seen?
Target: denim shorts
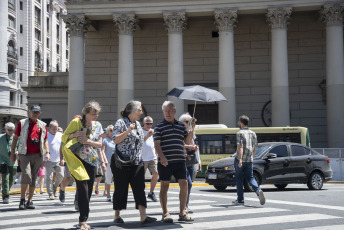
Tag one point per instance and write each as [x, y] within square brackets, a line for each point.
[178, 170]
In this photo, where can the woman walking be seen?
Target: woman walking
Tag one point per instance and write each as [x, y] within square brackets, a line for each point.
[108, 148]
[128, 137]
[81, 140]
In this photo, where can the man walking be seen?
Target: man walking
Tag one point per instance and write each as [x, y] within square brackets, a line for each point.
[33, 145]
[169, 138]
[55, 141]
[149, 156]
[243, 163]
[8, 169]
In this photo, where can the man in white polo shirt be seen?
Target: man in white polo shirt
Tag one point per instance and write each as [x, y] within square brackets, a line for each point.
[54, 140]
[149, 156]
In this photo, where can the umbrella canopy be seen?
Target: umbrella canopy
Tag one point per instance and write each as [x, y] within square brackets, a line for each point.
[196, 93]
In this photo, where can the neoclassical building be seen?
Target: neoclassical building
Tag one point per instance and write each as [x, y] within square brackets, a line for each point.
[279, 62]
[33, 39]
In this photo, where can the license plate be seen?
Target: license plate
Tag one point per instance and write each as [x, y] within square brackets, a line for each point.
[212, 176]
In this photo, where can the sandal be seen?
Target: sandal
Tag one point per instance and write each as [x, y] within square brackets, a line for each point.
[118, 220]
[83, 226]
[185, 217]
[148, 220]
[167, 218]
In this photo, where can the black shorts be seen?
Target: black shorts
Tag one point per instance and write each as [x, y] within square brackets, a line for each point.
[178, 170]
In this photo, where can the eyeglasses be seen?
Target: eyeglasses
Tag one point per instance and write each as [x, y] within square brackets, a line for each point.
[110, 130]
[10, 130]
[186, 121]
[149, 123]
[36, 112]
[168, 111]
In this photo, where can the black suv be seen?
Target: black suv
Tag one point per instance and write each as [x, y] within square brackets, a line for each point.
[278, 163]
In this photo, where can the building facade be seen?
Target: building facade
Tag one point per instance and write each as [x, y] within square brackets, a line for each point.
[279, 62]
[33, 39]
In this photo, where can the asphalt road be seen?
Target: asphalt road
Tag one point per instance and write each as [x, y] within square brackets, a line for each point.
[296, 207]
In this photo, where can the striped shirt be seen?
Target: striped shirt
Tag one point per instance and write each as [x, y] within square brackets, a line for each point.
[171, 137]
[248, 140]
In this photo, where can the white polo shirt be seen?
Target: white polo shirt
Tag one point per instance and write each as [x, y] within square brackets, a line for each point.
[55, 142]
[148, 149]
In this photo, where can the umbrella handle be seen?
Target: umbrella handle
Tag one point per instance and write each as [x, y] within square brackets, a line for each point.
[193, 118]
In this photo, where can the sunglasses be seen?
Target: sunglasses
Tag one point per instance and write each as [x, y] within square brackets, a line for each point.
[10, 130]
[110, 130]
[148, 123]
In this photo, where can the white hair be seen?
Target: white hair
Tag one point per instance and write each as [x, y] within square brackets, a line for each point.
[9, 125]
[168, 103]
[54, 122]
[184, 117]
[145, 119]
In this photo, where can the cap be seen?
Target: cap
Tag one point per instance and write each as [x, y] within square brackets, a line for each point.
[35, 108]
[105, 129]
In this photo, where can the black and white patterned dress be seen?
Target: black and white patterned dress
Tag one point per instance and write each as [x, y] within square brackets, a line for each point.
[127, 146]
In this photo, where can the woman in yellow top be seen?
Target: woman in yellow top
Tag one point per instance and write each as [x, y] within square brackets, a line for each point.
[81, 139]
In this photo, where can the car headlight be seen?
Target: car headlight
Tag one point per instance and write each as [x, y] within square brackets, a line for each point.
[229, 168]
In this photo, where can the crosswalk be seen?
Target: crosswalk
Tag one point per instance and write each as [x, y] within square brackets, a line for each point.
[209, 213]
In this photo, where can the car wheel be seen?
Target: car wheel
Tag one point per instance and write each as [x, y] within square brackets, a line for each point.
[281, 186]
[247, 185]
[315, 181]
[220, 187]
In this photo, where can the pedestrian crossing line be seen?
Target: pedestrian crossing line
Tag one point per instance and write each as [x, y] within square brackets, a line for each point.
[246, 222]
[329, 227]
[322, 206]
[93, 207]
[71, 219]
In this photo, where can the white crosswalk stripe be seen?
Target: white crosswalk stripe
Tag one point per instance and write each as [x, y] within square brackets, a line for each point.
[52, 214]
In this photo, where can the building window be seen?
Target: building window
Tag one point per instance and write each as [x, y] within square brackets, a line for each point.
[11, 72]
[21, 99]
[11, 22]
[21, 51]
[57, 68]
[21, 29]
[48, 8]
[21, 5]
[67, 38]
[48, 25]
[37, 59]
[11, 99]
[37, 16]
[66, 54]
[58, 16]
[57, 49]
[58, 32]
[37, 34]
[48, 66]
[48, 43]
[21, 77]
[12, 4]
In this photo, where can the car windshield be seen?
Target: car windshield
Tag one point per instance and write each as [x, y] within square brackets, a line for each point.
[260, 149]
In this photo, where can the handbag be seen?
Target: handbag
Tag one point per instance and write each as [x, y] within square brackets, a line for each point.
[118, 160]
[191, 158]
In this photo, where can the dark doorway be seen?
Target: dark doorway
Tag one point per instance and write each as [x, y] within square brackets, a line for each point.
[205, 113]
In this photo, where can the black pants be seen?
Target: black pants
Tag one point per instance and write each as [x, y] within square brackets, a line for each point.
[84, 191]
[136, 177]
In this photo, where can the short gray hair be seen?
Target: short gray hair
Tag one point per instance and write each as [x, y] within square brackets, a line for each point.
[168, 103]
[90, 106]
[185, 117]
[9, 125]
[145, 119]
[54, 122]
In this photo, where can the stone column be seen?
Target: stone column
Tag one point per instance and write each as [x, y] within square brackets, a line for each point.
[54, 8]
[77, 27]
[225, 20]
[175, 23]
[125, 25]
[4, 82]
[332, 15]
[278, 18]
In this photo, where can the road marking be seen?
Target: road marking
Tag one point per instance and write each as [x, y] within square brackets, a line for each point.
[329, 227]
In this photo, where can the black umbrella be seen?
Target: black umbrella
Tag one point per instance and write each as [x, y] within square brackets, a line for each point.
[196, 93]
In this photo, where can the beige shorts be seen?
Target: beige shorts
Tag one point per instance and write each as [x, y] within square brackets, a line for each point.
[151, 165]
[30, 164]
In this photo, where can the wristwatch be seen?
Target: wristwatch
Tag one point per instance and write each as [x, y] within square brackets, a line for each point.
[47, 153]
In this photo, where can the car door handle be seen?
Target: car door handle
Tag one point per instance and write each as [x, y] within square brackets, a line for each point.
[309, 160]
[286, 162]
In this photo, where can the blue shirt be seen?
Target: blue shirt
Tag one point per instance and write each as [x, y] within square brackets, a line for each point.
[171, 137]
[109, 148]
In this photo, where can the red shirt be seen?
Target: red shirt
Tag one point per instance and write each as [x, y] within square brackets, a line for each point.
[34, 132]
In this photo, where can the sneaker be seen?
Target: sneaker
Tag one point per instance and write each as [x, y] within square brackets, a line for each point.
[185, 217]
[62, 196]
[108, 198]
[15, 181]
[96, 191]
[22, 204]
[51, 197]
[29, 205]
[152, 197]
[187, 210]
[261, 196]
[76, 205]
[6, 200]
[236, 202]
[166, 218]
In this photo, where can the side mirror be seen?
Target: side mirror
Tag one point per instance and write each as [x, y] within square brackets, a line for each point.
[270, 156]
